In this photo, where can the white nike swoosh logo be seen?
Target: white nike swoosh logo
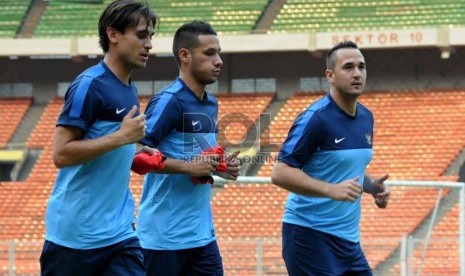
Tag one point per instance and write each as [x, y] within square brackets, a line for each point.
[118, 111]
[337, 141]
[195, 122]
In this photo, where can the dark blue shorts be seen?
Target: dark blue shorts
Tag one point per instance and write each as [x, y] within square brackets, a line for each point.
[121, 259]
[205, 260]
[310, 252]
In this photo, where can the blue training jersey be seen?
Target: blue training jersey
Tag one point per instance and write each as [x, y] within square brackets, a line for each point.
[91, 205]
[174, 212]
[329, 145]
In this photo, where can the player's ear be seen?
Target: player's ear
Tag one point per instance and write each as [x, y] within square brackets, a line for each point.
[329, 75]
[184, 55]
[112, 35]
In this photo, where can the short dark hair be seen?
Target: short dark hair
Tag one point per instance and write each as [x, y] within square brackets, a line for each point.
[123, 14]
[187, 36]
[330, 57]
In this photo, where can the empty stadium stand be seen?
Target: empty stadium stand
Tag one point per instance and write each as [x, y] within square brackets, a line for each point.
[227, 17]
[248, 216]
[61, 19]
[79, 19]
[238, 113]
[251, 212]
[13, 111]
[64, 19]
[12, 15]
[280, 126]
[442, 256]
[324, 16]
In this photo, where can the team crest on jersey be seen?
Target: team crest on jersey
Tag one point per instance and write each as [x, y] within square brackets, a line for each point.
[369, 138]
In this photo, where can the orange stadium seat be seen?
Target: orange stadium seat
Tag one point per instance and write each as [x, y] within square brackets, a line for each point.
[411, 114]
[238, 113]
[280, 126]
[442, 256]
[13, 112]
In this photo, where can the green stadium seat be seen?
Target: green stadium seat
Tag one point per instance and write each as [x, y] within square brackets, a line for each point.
[12, 14]
[235, 17]
[324, 16]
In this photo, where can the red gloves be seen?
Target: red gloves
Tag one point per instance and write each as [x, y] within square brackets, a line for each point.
[222, 166]
[145, 162]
